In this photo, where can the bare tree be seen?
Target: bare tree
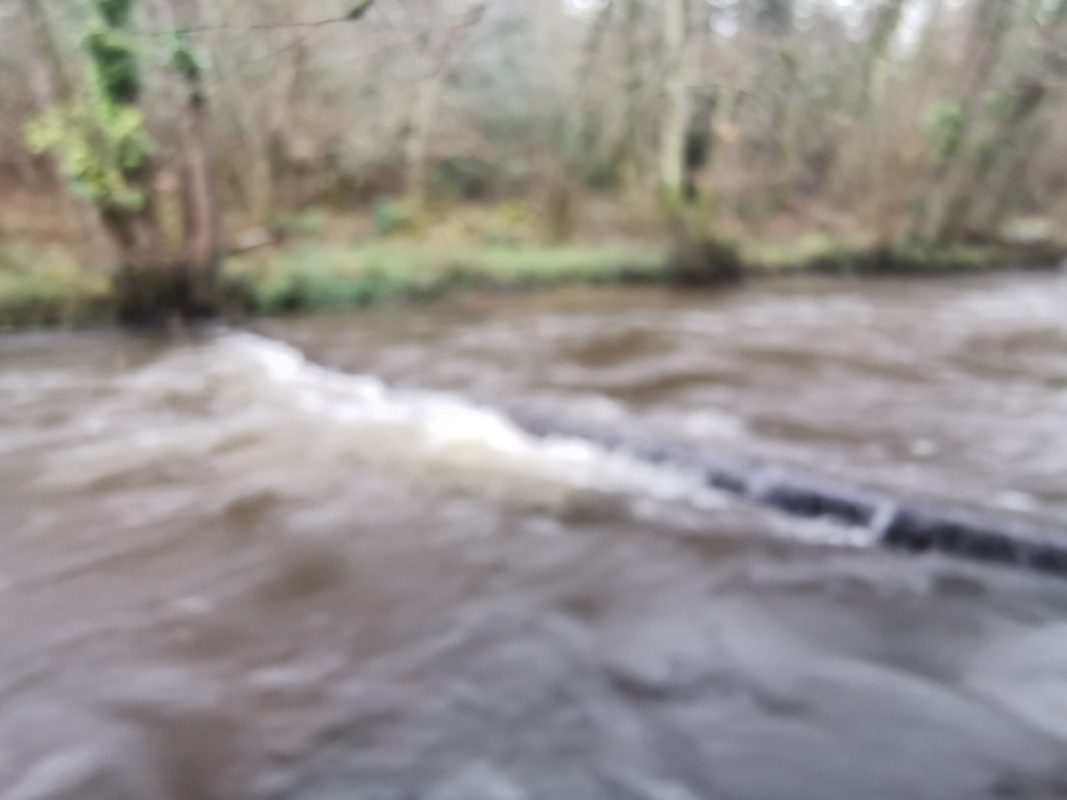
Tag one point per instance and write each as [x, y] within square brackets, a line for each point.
[677, 80]
[442, 45]
[754, 116]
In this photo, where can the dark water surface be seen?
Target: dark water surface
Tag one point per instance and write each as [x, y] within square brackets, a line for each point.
[230, 571]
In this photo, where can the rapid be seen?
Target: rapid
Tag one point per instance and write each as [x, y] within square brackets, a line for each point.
[318, 558]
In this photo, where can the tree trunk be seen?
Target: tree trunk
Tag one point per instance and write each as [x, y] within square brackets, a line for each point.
[769, 27]
[853, 163]
[444, 54]
[420, 126]
[54, 84]
[144, 283]
[576, 136]
[929, 38]
[1004, 188]
[699, 257]
[1022, 104]
[287, 151]
[200, 221]
[253, 175]
[154, 287]
[676, 114]
[627, 151]
[582, 134]
[953, 173]
[886, 23]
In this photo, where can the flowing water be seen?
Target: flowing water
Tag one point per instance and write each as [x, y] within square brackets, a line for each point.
[318, 562]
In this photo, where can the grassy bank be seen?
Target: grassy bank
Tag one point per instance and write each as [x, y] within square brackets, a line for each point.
[817, 254]
[311, 276]
[45, 286]
[307, 276]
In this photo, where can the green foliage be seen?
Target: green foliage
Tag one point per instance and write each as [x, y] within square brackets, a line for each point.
[392, 216]
[101, 144]
[918, 257]
[307, 223]
[41, 285]
[113, 59]
[115, 13]
[337, 277]
[187, 63]
[560, 265]
[325, 277]
[113, 67]
[46, 286]
[511, 224]
[127, 137]
[944, 129]
[1004, 106]
[462, 178]
[184, 59]
[821, 254]
[96, 152]
[790, 255]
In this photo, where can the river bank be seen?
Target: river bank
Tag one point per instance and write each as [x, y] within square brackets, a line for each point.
[46, 286]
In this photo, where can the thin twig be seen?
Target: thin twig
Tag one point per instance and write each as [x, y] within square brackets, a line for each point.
[257, 26]
[412, 37]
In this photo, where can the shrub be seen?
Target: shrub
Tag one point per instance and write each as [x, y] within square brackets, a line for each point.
[46, 286]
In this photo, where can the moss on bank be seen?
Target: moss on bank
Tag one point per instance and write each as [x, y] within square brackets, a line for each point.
[818, 254]
[47, 286]
[42, 286]
[310, 276]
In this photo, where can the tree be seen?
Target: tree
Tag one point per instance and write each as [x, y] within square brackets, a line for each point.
[201, 235]
[443, 45]
[700, 257]
[1012, 139]
[753, 117]
[676, 80]
[103, 147]
[887, 19]
[55, 83]
[107, 155]
[952, 127]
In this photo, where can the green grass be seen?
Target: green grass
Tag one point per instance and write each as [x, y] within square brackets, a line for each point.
[816, 253]
[316, 276]
[47, 286]
[792, 255]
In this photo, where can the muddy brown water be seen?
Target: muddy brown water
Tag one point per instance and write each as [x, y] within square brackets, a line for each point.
[315, 562]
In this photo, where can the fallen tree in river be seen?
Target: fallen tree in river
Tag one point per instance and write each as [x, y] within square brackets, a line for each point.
[895, 523]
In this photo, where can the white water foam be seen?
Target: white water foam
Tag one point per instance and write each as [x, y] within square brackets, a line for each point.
[249, 405]
[429, 431]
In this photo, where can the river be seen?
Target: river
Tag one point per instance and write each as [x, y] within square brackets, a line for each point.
[314, 559]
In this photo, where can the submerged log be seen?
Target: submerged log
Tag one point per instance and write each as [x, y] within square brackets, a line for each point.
[895, 523]
[969, 536]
